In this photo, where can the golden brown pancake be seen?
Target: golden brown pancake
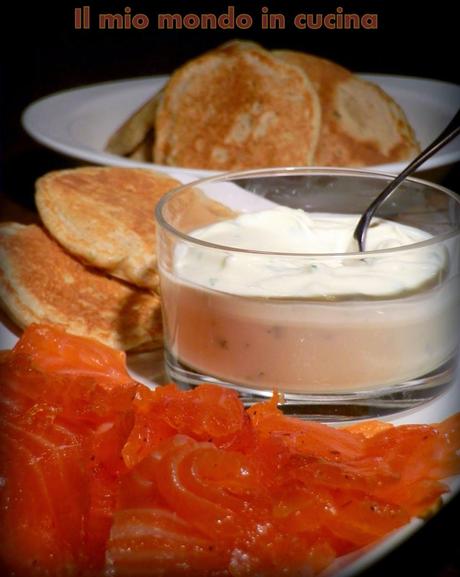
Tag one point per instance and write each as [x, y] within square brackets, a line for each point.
[193, 210]
[237, 107]
[105, 217]
[143, 151]
[361, 124]
[134, 129]
[40, 282]
[323, 73]
[238, 44]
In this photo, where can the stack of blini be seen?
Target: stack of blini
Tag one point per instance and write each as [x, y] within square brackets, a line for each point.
[240, 106]
[91, 267]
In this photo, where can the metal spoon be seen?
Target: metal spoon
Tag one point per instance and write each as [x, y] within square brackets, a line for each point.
[450, 132]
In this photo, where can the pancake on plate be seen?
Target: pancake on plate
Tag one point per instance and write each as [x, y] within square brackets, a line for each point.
[105, 217]
[238, 44]
[143, 151]
[41, 282]
[237, 107]
[361, 124]
[135, 130]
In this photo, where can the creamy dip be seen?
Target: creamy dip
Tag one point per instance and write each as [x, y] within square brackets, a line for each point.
[309, 324]
[287, 230]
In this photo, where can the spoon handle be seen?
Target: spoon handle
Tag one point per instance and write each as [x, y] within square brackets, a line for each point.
[450, 132]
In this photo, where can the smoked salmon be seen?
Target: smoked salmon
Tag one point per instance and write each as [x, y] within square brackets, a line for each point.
[100, 475]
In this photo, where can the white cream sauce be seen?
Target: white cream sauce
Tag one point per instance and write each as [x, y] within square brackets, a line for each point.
[287, 230]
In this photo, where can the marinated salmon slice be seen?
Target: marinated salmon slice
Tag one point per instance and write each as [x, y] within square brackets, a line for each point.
[53, 351]
[61, 435]
[44, 367]
[206, 413]
[44, 496]
[153, 541]
[302, 436]
[218, 496]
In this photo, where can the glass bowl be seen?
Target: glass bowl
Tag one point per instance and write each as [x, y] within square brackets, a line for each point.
[342, 335]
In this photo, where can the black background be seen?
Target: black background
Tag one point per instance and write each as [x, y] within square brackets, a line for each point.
[42, 53]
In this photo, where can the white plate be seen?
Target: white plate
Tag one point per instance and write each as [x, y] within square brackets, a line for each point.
[146, 367]
[79, 122]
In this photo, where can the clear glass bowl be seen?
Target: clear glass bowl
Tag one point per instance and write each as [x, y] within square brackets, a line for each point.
[339, 354]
